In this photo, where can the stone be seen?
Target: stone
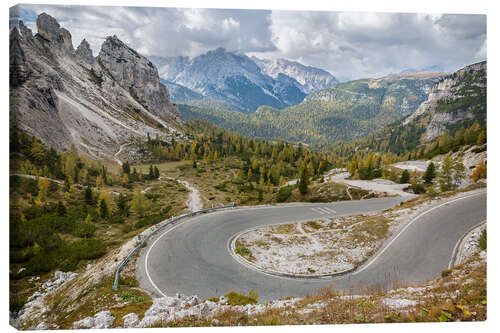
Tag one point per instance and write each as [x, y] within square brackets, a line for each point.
[130, 320]
[87, 322]
[103, 319]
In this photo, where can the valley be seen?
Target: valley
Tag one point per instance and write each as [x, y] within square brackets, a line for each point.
[328, 182]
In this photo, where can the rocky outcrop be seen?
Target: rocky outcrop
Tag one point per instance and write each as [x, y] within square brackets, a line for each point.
[49, 30]
[138, 75]
[84, 52]
[65, 96]
[310, 79]
[102, 319]
[34, 312]
[459, 97]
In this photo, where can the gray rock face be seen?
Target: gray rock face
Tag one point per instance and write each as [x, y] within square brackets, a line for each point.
[50, 30]
[83, 51]
[138, 75]
[310, 78]
[63, 96]
[468, 82]
[130, 320]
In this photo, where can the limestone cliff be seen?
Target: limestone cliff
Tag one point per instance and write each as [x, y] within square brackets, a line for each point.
[64, 96]
[457, 99]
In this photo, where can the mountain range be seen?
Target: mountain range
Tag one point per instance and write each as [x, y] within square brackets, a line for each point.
[67, 96]
[346, 111]
[243, 82]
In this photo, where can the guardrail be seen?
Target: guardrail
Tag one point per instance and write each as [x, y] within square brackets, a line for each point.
[145, 239]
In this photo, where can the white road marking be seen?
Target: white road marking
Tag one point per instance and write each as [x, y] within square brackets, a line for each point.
[330, 210]
[406, 226]
[456, 249]
[317, 210]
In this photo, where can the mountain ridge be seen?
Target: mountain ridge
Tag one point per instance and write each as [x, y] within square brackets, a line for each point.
[65, 96]
[242, 81]
[346, 111]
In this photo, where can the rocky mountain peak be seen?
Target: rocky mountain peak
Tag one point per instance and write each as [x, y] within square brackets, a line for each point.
[25, 31]
[138, 75]
[63, 96]
[83, 51]
[50, 30]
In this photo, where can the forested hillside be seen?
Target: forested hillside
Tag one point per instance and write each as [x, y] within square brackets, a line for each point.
[344, 112]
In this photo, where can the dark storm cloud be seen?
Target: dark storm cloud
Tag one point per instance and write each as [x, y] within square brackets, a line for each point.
[350, 45]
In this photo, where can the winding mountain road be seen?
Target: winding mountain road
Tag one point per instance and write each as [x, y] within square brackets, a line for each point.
[192, 257]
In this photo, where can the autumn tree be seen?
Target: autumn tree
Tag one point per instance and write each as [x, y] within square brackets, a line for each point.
[43, 186]
[139, 202]
[479, 172]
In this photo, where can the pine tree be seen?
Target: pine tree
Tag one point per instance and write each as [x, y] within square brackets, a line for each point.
[60, 209]
[303, 180]
[43, 186]
[88, 196]
[122, 205]
[157, 172]
[430, 173]
[151, 172]
[102, 208]
[446, 176]
[126, 168]
[405, 177]
[458, 173]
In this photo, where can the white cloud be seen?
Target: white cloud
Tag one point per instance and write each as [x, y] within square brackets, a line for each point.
[350, 45]
[230, 24]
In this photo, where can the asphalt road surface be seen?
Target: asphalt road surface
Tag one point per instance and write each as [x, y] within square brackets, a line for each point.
[192, 257]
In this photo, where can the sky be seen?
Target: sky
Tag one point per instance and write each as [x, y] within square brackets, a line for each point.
[350, 45]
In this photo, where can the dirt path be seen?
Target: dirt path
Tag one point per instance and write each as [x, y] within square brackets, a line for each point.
[118, 152]
[194, 202]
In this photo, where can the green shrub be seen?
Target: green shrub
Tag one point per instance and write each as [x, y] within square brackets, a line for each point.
[238, 299]
[284, 193]
[16, 303]
[87, 249]
[242, 251]
[417, 188]
[116, 219]
[149, 220]
[482, 240]
[84, 229]
[318, 199]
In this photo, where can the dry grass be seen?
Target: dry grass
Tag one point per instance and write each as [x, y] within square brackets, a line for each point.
[460, 296]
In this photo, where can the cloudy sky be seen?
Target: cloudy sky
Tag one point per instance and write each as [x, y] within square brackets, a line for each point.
[348, 44]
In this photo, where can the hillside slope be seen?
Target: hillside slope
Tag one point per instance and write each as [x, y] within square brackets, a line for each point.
[64, 96]
[455, 100]
[345, 111]
[453, 115]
